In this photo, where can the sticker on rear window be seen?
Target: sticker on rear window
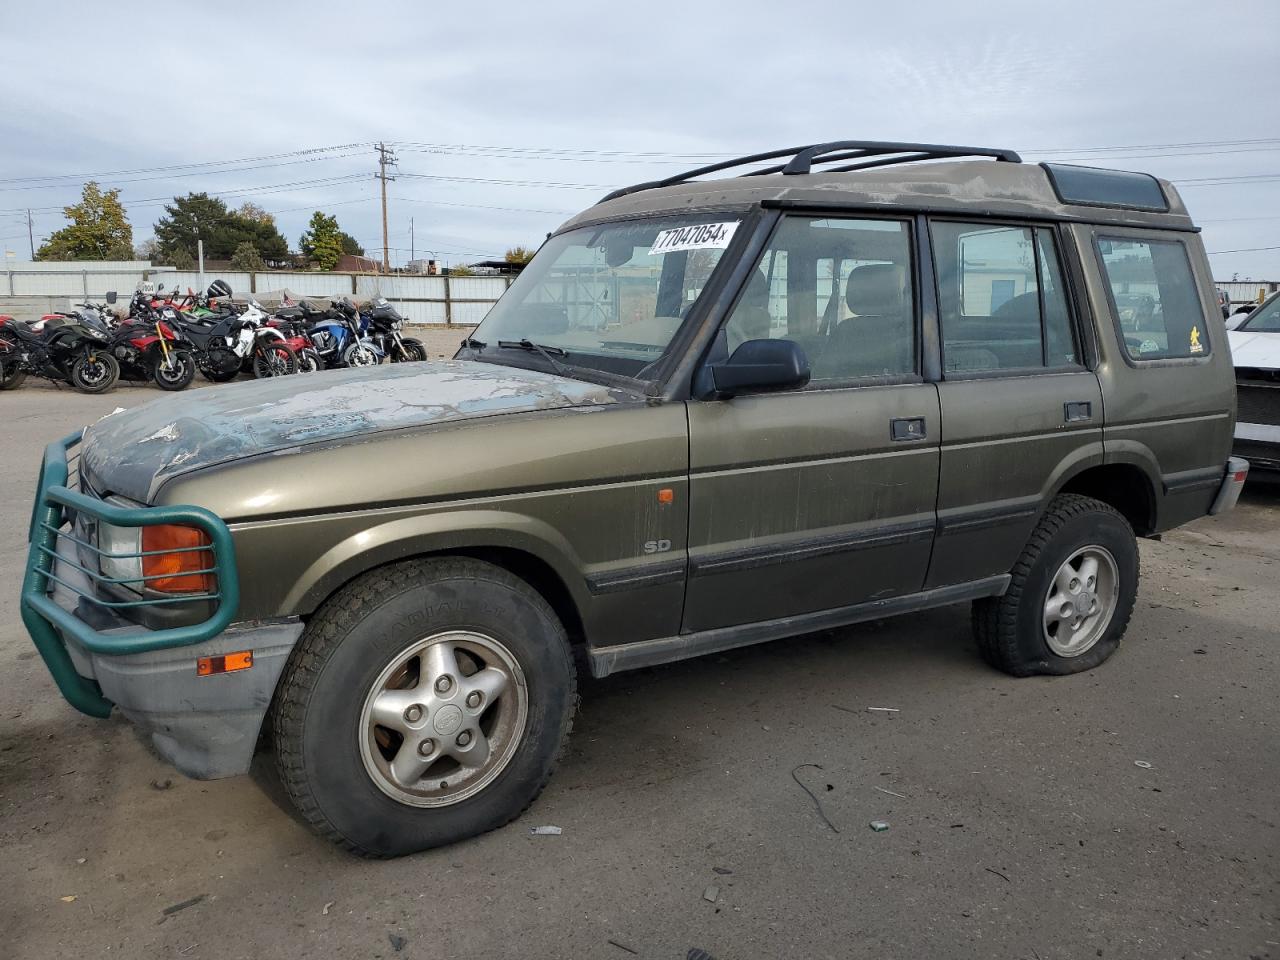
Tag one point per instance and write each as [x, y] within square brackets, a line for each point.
[699, 236]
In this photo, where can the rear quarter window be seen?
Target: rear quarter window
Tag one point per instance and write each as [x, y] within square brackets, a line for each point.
[1153, 292]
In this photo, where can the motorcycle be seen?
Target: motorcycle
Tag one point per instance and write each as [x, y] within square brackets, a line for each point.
[336, 334]
[58, 348]
[295, 335]
[150, 349]
[227, 341]
[383, 322]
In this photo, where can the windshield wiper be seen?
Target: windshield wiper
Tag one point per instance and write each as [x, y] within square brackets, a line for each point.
[471, 343]
[546, 352]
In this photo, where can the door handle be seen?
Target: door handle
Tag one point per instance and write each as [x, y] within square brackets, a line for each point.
[907, 428]
[1076, 411]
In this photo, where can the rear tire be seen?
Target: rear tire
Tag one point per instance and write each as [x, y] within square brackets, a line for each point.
[1071, 596]
[221, 365]
[349, 670]
[11, 374]
[94, 372]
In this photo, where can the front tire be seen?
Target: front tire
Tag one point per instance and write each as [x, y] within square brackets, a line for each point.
[360, 355]
[178, 374]
[309, 361]
[411, 351]
[427, 702]
[274, 359]
[94, 372]
[1071, 595]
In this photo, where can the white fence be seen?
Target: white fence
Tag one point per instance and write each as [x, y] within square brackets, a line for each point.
[460, 300]
[1248, 291]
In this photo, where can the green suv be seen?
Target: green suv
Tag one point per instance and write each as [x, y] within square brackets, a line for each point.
[841, 382]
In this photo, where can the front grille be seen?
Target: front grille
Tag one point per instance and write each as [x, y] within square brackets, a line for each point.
[1258, 402]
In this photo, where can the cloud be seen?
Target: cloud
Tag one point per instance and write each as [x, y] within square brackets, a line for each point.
[140, 85]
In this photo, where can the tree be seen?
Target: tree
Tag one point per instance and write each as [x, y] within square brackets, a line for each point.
[180, 259]
[461, 270]
[322, 243]
[199, 216]
[349, 244]
[251, 211]
[98, 229]
[518, 255]
[247, 258]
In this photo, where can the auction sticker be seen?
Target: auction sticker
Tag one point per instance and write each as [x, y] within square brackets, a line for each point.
[699, 236]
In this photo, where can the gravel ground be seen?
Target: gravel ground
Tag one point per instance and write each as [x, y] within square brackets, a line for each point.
[1021, 824]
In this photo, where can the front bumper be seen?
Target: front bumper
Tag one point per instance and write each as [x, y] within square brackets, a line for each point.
[1259, 443]
[206, 726]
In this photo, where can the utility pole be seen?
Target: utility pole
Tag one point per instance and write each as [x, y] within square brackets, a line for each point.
[385, 157]
[412, 252]
[31, 239]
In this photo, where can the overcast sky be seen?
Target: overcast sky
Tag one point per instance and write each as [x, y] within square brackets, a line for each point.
[98, 88]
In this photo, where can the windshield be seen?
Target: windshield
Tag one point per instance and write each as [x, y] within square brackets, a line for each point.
[1266, 319]
[610, 297]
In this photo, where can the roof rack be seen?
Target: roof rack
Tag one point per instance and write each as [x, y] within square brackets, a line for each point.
[865, 154]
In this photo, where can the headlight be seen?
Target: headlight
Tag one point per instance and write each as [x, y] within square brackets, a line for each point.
[163, 558]
[95, 334]
[120, 552]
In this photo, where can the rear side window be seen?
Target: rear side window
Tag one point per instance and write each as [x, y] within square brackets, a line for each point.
[1154, 294]
[1001, 298]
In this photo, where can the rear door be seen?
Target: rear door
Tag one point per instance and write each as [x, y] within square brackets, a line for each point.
[821, 497]
[1166, 364]
[1019, 407]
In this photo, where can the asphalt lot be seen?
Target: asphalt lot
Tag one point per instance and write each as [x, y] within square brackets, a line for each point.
[1025, 828]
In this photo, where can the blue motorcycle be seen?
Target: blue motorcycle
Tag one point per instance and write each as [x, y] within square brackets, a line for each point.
[339, 334]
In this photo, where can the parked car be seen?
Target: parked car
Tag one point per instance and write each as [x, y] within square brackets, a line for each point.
[1255, 351]
[709, 413]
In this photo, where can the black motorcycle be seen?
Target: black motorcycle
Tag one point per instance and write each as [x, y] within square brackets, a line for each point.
[382, 324]
[226, 340]
[61, 348]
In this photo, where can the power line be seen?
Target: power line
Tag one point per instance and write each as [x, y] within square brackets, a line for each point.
[513, 183]
[176, 176]
[482, 206]
[1214, 253]
[184, 166]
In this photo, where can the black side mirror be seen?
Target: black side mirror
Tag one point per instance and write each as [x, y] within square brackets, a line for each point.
[761, 365]
[111, 296]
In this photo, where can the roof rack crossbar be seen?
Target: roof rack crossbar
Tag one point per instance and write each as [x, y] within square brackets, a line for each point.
[802, 159]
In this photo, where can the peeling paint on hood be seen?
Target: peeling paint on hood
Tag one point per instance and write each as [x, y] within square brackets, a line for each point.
[133, 452]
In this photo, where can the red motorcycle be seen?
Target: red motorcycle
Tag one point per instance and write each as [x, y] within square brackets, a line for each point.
[296, 338]
[148, 348]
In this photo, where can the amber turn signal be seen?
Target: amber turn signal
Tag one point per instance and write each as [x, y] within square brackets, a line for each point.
[176, 557]
[227, 663]
[666, 495]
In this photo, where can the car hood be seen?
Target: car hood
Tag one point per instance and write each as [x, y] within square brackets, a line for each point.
[1249, 349]
[133, 452]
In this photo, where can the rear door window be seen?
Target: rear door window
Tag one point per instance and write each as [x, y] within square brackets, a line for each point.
[1154, 296]
[1001, 297]
[839, 287]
